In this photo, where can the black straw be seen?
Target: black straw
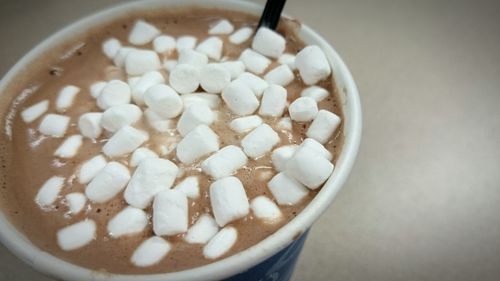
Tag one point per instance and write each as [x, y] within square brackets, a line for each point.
[272, 12]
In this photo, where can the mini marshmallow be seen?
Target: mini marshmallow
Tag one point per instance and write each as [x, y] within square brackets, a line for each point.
[303, 109]
[186, 42]
[66, 97]
[281, 155]
[69, 148]
[287, 59]
[273, 101]
[240, 99]
[158, 123]
[214, 78]
[128, 221]
[115, 92]
[32, 113]
[140, 154]
[54, 125]
[49, 191]
[260, 141]
[110, 47]
[96, 88]
[121, 55]
[124, 141]
[235, 68]
[202, 231]
[318, 147]
[114, 118]
[91, 168]
[190, 56]
[316, 93]
[185, 78]
[245, 124]
[241, 35]
[286, 190]
[254, 82]
[164, 44]
[265, 209]
[142, 33]
[189, 186]
[281, 75]
[285, 123]
[170, 213]
[152, 176]
[150, 252]
[197, 143]
[323, 126]
[164, 101]
[76, 235]
[193, 116]
[228, 200]
[224, 162]
[139, 62]
[147, 80]
[309, 167]
[221, 27]
[221, 243]
[169, 65]
[108, 182]
[211, 100]
[312, 65]
[90, 124]
[254, 62]
[76, 201]
[268, 42]
[212, 47]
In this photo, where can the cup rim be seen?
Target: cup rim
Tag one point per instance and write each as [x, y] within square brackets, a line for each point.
[239, 262]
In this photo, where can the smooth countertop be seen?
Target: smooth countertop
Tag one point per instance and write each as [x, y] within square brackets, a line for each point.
[423, 200]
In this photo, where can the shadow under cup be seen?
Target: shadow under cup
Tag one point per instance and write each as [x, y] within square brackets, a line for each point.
[273, 258]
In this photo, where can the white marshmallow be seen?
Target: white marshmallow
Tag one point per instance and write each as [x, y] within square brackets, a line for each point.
[214, 78]
[164, 44]
[139, 62]
[193, 116]
[186, 42]
[96, 88]
[49, 191]
[121, 55]
[169, 65]
[124, 141]
[142, 33]
[224, 162]
[211, 100]
[152, 176]
[69, 148]
[197, 143]
[254, 82]
[241, 35]
[316, 93]
[228, 200]
[170, 213]
[212, 47]
[128, 221]
[76, 235]
[114, 118]
[281, 75]
[281, 155]
[190, 56]
[244, 124]
[76, 201]
[221, 27]
[266, 210]
[287, 191]
[221, 243]
[185, 78]
[140, 154]
[90, 124]
[164, 101]
[32, 113]
[66, 97]
[309, 167]
[235, 68]
[116, 92]
[240, 99]
[132, 80]
[318, 147]
[287, 59]
[312, 65]
[268, 42]
[254, 62]
[108, 182]
[323, 126]
[273, 101]
[54, 125]
[90, 168]
[285, 123]
[260, 141]
[202, 231]
[303, 109]
[150, 252]
[189, 186]
[147, 80]
[110, 47]
[158, 123]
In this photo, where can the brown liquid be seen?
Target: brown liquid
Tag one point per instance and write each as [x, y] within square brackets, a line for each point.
[27, 159]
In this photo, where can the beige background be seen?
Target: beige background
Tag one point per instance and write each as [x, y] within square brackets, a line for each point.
[423, 201]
